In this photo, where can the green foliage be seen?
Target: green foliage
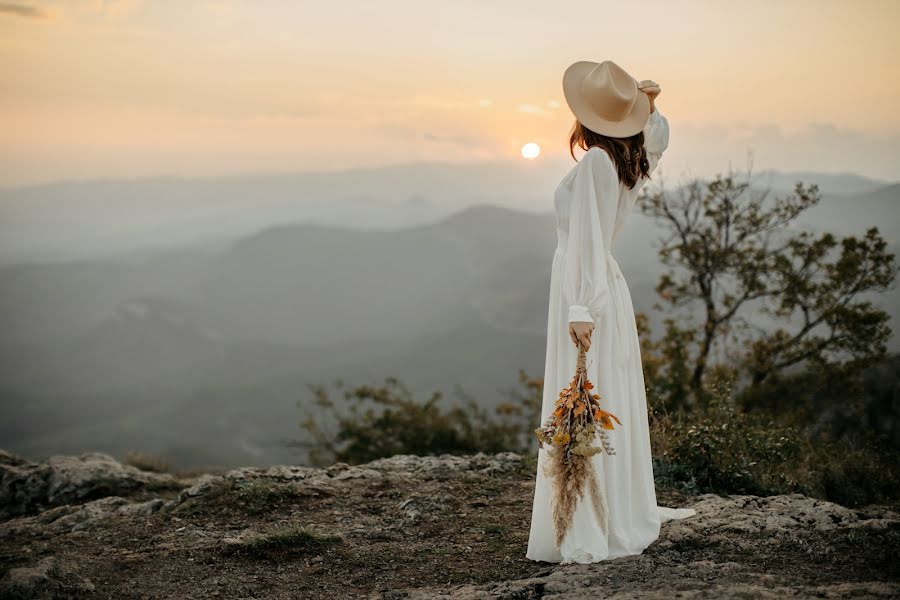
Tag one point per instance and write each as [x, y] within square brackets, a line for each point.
[723, 449]
[856, 470]
[719, 449]
[380, 421]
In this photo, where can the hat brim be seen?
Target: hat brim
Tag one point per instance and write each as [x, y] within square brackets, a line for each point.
[630, 125]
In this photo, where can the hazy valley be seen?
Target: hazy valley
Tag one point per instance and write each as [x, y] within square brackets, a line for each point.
[190, 316]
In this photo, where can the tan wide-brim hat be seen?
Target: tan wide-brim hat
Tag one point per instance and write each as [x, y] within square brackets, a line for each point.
[605, 98]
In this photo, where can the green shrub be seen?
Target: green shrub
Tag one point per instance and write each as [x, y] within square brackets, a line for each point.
[857, 470]
[380, 421]
[719, 449]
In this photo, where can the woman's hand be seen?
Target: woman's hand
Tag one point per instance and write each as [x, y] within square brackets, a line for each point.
[651, 88]
[580, 331]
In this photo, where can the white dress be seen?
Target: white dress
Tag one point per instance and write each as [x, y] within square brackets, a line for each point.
[586, 285]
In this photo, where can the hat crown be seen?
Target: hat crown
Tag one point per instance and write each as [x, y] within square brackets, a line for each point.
[610, 91]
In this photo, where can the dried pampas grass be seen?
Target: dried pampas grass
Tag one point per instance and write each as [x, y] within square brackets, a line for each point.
[577, 420]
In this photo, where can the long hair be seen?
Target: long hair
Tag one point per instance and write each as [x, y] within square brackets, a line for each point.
[628, 154]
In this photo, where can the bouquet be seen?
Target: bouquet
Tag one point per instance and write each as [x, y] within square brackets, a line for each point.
[571, 430]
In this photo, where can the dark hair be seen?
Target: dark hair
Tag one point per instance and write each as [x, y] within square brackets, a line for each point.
[628, 154]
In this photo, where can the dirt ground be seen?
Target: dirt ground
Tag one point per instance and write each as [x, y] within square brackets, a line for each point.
[441, 531]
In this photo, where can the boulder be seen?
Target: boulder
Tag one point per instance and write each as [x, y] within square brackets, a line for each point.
[28, 487]
[49, 579]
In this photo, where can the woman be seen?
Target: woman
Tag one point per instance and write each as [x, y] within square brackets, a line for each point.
[624, 135]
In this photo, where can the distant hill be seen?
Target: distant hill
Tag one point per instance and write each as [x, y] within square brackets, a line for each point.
[68, 220]
[830, 183]
[847, 214]
[88, 219]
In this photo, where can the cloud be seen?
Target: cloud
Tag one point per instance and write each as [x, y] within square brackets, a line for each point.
[533, 109]
[821, 147]
[453, 139]
[24, 11]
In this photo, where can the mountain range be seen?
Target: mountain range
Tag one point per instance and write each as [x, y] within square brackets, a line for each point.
[203, 349]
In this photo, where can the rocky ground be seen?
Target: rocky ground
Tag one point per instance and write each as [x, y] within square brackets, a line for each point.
[401, 528]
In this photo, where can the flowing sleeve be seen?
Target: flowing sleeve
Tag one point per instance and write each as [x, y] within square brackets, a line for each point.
[656, 138]
[594, 201]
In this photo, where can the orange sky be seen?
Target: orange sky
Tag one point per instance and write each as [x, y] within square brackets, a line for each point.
[129, 88]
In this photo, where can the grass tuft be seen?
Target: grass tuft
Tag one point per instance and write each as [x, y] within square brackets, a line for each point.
[295, 539]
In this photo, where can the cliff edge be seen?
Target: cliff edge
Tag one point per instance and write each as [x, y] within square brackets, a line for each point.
[449, 527]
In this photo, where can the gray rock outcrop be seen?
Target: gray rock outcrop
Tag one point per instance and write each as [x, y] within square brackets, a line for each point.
[27, 487]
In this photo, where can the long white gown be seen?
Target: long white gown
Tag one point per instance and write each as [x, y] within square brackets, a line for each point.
[586, 285]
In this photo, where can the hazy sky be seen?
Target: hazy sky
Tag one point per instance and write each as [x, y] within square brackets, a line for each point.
[129, 88]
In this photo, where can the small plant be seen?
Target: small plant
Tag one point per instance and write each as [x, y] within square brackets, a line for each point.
[294, 539]
[263, 496]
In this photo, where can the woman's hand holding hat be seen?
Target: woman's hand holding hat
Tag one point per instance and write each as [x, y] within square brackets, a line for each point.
[651, 88]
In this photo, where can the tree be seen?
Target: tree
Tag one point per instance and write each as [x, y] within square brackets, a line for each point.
[734, 253]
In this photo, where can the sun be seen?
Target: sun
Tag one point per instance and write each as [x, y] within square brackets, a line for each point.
[531, 150]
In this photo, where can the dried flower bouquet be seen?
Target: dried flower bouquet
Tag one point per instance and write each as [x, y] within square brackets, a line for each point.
[577, 420]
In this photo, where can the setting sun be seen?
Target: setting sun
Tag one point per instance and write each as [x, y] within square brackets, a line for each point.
[531, 150]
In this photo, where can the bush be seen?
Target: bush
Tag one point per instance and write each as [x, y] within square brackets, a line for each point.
[856, 471]
[719, 449]
[380, 421]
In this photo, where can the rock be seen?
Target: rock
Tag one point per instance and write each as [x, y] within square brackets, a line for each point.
[94, 474]
[281, 472]
[203, 485]
[410, 509]
[47, 580]
[27, 487]
[750, 514]
[502, 462]
[69, 518]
